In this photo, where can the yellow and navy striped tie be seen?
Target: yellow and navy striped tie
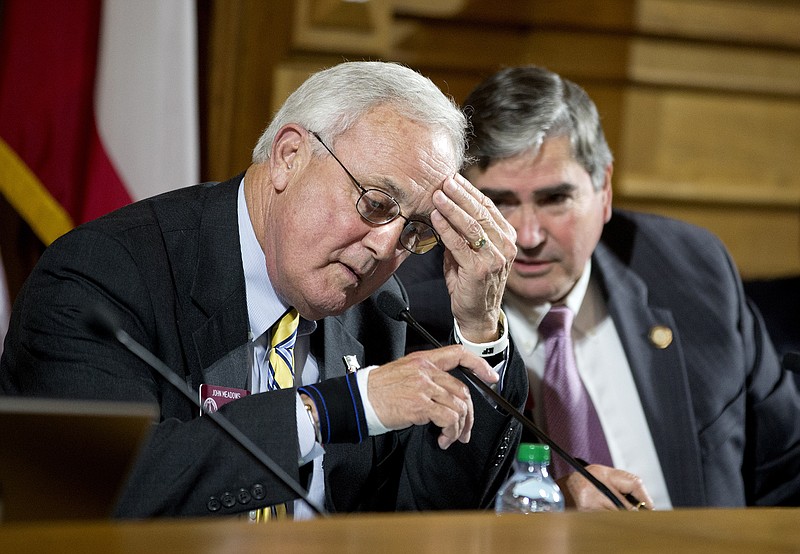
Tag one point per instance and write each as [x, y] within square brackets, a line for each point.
[281, 351]
[281, 376]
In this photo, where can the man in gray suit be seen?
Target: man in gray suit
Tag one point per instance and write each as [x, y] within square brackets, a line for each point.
[358, 170]
[677, 365]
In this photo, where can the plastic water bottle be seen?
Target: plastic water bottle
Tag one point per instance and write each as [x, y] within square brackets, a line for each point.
[530, 488]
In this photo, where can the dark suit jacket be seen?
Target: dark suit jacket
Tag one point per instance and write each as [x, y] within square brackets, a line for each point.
[724, 418]
[170, 269]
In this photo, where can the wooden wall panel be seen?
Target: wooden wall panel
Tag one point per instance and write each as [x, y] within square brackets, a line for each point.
[246, 39]
[700, 99]
[684, 145]
[768, 22]
[673, 63]
[333, 26]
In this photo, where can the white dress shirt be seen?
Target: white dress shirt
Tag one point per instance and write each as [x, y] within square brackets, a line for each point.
[604, 370]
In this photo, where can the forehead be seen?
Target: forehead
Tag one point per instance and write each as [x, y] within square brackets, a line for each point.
[404, 157]
[549, 166]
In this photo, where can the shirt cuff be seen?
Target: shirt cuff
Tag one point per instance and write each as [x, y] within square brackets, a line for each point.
[374, 424]
[306, 435]
[485, 349]
[339, 409]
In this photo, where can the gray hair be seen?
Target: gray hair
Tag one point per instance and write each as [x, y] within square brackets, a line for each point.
[332, 100]
[515, 109]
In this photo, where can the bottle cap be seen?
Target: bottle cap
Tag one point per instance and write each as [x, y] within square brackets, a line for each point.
[536, 453]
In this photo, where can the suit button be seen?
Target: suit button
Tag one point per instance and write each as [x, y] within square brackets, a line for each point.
[243, 496]
[228, 500]
[258, 491]
[213, 504]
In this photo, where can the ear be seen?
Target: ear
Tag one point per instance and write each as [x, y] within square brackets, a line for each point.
[288, 154]
[607, 193]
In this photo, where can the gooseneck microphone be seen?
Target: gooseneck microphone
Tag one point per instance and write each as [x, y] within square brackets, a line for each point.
[392, 305]
[103, 324]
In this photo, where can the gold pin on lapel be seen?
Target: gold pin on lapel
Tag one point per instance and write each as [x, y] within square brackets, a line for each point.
[660, 336]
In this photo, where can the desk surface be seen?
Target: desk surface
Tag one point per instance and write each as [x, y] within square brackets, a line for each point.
[684, 531]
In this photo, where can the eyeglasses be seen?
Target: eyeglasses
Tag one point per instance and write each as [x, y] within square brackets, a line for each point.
[380, 208]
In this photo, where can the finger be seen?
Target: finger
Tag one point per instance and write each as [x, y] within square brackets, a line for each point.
[474, 229]
[628, 487]
[583, 495]
[453, 410]
[480, 207]
[506, 239]
[452, 413]
[466, 218]
[479, 367]
[461, 427]
[637, 496]
[450, 357]
[485, 201]
[449, 434]
[466, 434]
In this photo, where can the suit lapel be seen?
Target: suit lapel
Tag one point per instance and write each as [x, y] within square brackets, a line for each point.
[201, 235]
[335, 341]
[660, 377]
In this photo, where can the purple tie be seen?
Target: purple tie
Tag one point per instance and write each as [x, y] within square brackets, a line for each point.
[570, 417]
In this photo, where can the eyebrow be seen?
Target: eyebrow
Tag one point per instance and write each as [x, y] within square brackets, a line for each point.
[561, 188]
[388, 186]
[400, 195]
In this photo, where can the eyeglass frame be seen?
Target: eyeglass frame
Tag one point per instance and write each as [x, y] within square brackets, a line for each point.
[364, 191]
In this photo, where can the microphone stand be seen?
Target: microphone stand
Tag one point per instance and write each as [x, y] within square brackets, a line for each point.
[102, 324]
[579, 466]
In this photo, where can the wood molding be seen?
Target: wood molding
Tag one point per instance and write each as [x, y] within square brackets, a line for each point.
[769, 22]
[344, 27]
[700, 99]
[705, 147]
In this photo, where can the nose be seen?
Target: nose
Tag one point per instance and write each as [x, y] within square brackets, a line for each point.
[530, 230]
[384, 240]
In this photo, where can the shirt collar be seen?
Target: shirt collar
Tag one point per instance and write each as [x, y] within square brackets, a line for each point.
[534, 313]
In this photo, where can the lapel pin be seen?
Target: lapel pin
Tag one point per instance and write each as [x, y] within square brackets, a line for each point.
[351, 363]
[660, 336]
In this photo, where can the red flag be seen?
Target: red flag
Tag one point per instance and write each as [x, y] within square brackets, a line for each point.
[62, 109]
[98, 107]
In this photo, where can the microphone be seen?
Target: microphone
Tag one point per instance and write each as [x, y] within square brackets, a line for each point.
[791, 362]
[392, 305]
[104, 325]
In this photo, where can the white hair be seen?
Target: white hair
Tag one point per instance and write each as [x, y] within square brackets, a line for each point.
[332, 100]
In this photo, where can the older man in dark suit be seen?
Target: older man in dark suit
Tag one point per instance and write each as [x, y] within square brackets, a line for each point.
[236, 285]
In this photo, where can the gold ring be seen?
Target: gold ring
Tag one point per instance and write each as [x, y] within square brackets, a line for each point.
[641, 505]
[480, 243]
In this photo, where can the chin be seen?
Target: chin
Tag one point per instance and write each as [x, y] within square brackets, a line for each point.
[540, 289]
[328, 305]
[534, 295]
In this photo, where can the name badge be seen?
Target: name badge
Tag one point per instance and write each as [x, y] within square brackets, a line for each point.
[213, 397]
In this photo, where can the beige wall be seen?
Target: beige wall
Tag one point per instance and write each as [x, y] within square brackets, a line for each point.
[700, 98]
